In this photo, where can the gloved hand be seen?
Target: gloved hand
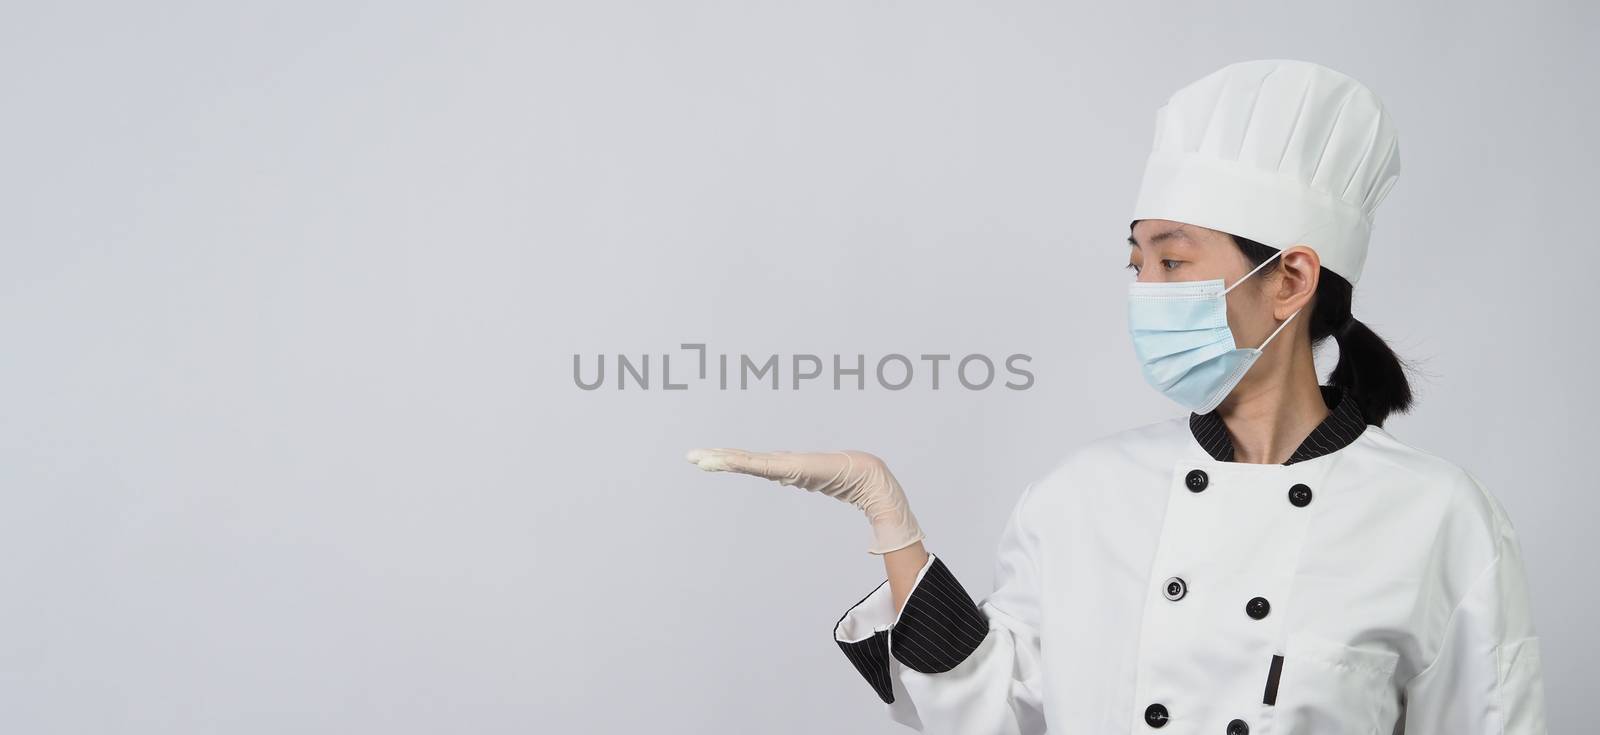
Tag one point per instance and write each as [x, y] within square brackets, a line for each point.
[857, 478]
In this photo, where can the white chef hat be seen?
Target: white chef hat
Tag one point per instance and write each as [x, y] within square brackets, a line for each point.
[1279, 151]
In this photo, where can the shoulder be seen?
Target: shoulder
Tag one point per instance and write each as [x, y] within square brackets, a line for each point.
[1147, 447]
[1472, 560]
[1471, 520]
[1158, 442]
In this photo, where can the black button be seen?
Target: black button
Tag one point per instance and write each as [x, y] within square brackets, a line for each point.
[1176, 588]
[1155, 715]
[1300, 495]
[1257, 607]
[1196, 480]
[1238, 727]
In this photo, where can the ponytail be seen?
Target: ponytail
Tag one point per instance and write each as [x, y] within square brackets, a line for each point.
[1368, 369]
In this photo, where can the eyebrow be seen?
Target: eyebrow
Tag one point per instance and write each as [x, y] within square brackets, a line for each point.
[1176, 232]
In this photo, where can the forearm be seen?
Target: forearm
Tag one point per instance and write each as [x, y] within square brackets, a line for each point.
[901, 566]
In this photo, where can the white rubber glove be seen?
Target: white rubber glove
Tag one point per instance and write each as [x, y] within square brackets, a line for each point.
[857, 478]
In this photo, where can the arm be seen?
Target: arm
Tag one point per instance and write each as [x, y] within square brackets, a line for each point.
[902, 567]
[1486, 678]
[944, 664]
[940, 661]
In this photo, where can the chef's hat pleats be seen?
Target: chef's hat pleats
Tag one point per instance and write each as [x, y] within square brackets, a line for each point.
[1279, 151]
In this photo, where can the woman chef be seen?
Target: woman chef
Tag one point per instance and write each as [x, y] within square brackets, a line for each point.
[1274, 562]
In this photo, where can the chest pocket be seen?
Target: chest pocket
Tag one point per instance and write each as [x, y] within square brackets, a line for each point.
[1328, 687]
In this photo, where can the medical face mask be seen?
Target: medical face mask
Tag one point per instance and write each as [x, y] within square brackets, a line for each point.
[1181, 335]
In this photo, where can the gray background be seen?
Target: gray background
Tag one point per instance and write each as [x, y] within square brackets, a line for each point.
[289, 440]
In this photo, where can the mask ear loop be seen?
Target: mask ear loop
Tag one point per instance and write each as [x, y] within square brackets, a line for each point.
[1279, 329]
[1252, 272]
[1242, 280]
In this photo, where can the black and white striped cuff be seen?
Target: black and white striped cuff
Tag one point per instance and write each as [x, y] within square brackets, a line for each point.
[937, 629]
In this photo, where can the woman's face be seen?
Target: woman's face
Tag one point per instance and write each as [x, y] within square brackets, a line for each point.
[1164, 251]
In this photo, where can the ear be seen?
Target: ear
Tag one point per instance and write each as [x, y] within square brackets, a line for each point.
[1298, 273]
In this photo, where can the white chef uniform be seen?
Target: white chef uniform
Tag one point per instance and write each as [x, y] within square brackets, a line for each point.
[1148, 583]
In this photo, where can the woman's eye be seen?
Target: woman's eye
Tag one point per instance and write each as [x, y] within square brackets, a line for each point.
[1170, 264]
[1133, 268]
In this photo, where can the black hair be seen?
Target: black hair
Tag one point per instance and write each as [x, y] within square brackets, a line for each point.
[1372, 373]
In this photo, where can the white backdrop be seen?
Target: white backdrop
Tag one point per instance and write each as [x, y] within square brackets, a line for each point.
[290, 294]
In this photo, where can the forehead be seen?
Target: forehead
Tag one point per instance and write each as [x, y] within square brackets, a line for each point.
[1166, 231]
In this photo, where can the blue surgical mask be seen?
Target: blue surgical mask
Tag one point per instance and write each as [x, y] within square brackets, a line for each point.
[1181, 335]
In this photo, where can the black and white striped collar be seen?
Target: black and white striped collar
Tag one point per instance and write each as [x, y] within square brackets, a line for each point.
[1341, 427]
